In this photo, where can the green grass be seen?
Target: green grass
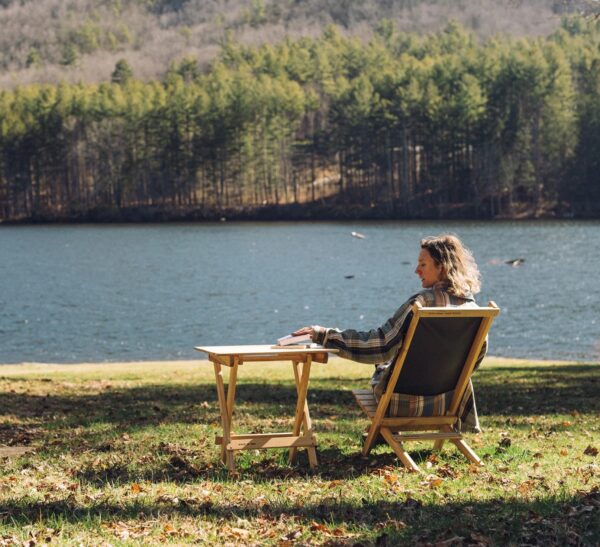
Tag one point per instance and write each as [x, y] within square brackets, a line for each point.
[125, 454]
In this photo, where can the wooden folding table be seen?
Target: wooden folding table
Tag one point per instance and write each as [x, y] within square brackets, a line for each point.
[301, 435]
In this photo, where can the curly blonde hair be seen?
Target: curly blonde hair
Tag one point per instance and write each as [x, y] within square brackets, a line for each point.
[459, 268]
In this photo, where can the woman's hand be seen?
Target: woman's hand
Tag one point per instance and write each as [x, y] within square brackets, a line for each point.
[304, 330]
[315, 332]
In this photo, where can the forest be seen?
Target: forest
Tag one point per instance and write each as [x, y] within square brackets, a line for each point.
[53, 41]
[404, 125]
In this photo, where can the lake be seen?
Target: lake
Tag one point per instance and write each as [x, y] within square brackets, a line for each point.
[74, 293]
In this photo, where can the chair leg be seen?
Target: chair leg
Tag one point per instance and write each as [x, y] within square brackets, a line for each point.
[370, 440]
[399, 450]
[467, 451]
[437, 445]
[229, 461]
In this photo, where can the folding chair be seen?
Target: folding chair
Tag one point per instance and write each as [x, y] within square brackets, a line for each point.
[438, 355]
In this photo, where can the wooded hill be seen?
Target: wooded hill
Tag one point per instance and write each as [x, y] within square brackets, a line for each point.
[403, 126]
[51, 41]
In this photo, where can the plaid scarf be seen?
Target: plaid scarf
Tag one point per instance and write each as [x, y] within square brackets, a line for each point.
[436, 405]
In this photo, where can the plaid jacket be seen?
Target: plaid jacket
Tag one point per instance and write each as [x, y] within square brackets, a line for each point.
[382, 345]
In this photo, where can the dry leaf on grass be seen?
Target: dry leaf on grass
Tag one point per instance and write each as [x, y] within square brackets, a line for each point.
[125, 531]
[435, 482]
[477, 441]
[447, 472]
[474, 468]
[432, 481]
[591, 451]
[289, 538]
[317, 527]
[169, 529]
[391, 479]
[526, 487]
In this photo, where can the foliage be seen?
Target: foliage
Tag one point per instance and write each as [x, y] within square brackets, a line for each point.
[405, 125]
[125, 454]
[122, 72]
[151, 34]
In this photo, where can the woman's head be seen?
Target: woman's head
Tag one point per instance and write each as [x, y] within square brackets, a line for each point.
[445, 258]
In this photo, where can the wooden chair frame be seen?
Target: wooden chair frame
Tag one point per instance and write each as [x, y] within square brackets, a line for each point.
[440, 428]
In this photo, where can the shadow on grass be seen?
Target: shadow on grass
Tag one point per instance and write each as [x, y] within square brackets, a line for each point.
[572, 520]
[172, 463]
[519, 391]
[538, 390]
[153, 404]
[522, 391]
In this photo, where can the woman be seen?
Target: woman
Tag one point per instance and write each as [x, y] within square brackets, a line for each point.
[450, 277]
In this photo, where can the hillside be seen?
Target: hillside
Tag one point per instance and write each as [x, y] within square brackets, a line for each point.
[440, 125]
[82, 40]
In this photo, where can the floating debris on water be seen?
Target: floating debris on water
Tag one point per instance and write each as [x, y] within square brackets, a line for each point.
[358, 235]
[515, 261]
[348, 277]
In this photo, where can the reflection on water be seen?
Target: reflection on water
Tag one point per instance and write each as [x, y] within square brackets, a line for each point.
[107, 293]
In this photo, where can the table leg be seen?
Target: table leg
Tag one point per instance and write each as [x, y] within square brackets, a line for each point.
[231, 390]
[226, 406]
[306, 422]
[302, 417]
[297, 375]
[231, 385]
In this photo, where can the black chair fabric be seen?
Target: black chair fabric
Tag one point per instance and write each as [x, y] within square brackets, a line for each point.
[437, 355]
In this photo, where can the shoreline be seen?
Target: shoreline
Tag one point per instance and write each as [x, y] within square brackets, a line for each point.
[331, 208]
[42, 367]
[274, 219]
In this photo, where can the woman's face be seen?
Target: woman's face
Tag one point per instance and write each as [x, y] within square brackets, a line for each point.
[427, 270]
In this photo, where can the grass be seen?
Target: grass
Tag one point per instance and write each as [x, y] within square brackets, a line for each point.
[124, 454]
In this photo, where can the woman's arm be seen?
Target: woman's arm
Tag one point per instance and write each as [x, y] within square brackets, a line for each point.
[374, 346]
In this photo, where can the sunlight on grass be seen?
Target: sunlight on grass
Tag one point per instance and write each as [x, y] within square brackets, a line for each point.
[125, 453]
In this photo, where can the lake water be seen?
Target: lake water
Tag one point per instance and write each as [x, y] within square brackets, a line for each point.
[135, 292]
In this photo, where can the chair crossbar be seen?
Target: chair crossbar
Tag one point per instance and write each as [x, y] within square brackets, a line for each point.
[401, 437]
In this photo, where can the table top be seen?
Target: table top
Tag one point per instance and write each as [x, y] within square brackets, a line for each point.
[267, 350]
